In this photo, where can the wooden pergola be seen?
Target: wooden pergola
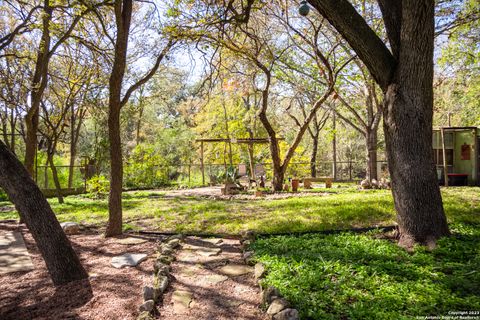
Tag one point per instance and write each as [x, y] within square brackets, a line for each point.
[250, 141]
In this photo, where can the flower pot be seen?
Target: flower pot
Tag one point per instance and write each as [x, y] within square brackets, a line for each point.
[295, 184]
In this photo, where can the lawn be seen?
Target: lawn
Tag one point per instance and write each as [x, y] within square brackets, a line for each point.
[341, 208]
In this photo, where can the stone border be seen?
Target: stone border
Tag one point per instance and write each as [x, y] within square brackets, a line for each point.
[277, 307]
[153, 295]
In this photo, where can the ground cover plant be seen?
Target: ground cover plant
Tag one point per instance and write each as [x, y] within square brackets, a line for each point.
[365, 276]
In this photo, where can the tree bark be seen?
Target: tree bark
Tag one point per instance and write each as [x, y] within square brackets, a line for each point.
[372, 140]
[123, 15]
[408, 128]
[313, 158]
[62, 262]
[39, 83]
[56, 181]
[406, 77]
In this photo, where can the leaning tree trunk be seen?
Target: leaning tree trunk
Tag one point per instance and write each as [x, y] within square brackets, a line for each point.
[62, 262]
[408, 116]
[371, 141]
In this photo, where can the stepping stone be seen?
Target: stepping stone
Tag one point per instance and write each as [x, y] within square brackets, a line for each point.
[130, 241]
[214, 241]
[14, 256]
[181, 300]
[203, 251]
[231, 303]
[70, 227]
[128, 260]
[234, 270]
[213, 279]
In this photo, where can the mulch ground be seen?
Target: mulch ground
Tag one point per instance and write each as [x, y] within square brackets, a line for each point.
[110, 293]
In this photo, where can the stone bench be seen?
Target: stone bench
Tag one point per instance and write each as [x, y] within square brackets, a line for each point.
[307, 182]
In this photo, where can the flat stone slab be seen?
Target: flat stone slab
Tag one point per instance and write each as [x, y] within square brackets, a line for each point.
[128, 260]
[213, 279]
[203, 251]
[214, 241]
[130, 241]
[14, 256]
[234, 270]
[181, 300]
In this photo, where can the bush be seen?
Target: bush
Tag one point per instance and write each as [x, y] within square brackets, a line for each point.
[98, 186]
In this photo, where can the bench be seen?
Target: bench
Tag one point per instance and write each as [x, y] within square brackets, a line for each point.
[307, 182]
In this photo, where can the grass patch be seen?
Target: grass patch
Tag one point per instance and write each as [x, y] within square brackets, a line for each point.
[358, 276]
[342, 208]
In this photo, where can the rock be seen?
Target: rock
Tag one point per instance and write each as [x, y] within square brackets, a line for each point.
[214, 241]
[181, 300]
[161, 268]
[268, 294]
[365, 184]
[160, 284]
[246, 243]
[203, 251]
[130, 241]
[214, 279]
[374, 184]
[259, 271]
[165, 259]
[235, 270]
[145, 315]
[248, 235]
[276, 306]
[166, 250]
[128, 260]
[147, 293]
[287, 314]
[248, 257]
[174, 243]
[147, 306]
[177, 236]
[70, 227]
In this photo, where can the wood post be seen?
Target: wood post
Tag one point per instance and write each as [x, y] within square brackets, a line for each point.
[445, 169]
[202, 167]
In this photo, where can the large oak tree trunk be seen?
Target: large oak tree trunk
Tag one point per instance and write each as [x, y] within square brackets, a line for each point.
[405, 74]
[408, 116]
[62, 262]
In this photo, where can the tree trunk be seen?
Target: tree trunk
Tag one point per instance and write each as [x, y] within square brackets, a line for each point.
[313, 158]
[56, 181]
[62, 262]
[334, 147]
[39, 83]
[123, 14]
[408, 116]
[371, 141]
[116, 175]
[405, 74]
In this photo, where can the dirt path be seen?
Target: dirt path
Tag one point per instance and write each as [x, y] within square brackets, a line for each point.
[211, 282]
